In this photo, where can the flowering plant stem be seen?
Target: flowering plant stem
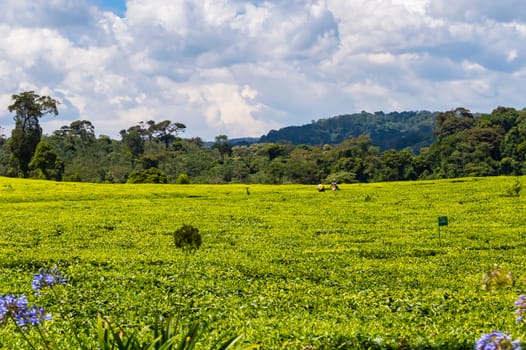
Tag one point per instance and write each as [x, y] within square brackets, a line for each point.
[22, 332]
[47, 344]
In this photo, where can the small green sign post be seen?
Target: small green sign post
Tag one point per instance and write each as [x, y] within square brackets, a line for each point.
[442, 221]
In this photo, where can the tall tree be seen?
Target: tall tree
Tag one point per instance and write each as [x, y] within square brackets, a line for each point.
[78, 134]
[29, 108]
[165, 131]
[133, 138]
[223, 146]
[84, 130]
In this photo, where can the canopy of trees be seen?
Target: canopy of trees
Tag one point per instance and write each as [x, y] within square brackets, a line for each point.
[455, 143]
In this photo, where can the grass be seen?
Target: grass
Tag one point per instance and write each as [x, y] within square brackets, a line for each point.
[283, 266]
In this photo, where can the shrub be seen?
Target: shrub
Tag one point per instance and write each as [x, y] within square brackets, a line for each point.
[150, 176]
[187, 237]
[514, 189]
[74, 178]
[182, 179]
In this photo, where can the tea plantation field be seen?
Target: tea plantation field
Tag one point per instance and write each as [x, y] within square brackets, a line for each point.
[286, 267]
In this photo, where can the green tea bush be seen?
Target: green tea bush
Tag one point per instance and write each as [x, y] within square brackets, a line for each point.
[514, 189]
[284, 266]
[29, 321]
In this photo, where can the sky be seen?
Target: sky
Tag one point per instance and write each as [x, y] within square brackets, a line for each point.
[244, 67]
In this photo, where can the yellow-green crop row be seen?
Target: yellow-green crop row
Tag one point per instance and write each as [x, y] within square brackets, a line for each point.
[284, 266]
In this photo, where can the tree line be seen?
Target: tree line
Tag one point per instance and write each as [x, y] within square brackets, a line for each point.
[155, 152]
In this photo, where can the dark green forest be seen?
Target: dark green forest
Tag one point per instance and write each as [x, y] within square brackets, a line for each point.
[353, 148]
[396, 130]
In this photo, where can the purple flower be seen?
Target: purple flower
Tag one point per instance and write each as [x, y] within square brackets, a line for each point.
[17, 308]
[12, 304]
[32, 316]
[521, 307]
[47, 278]
[497, 341]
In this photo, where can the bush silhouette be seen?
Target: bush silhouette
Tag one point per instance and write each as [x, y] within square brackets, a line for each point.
[187, 237]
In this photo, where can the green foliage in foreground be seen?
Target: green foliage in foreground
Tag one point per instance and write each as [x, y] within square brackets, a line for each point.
[281, 266]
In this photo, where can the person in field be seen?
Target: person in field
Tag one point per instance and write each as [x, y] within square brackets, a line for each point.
[321, 187]
[334, 185]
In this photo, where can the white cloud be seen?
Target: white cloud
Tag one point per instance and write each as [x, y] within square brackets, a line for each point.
[477, 10]
[241, 68]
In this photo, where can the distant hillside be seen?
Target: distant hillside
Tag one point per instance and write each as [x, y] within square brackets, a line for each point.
[244, 140]
[396, 130]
